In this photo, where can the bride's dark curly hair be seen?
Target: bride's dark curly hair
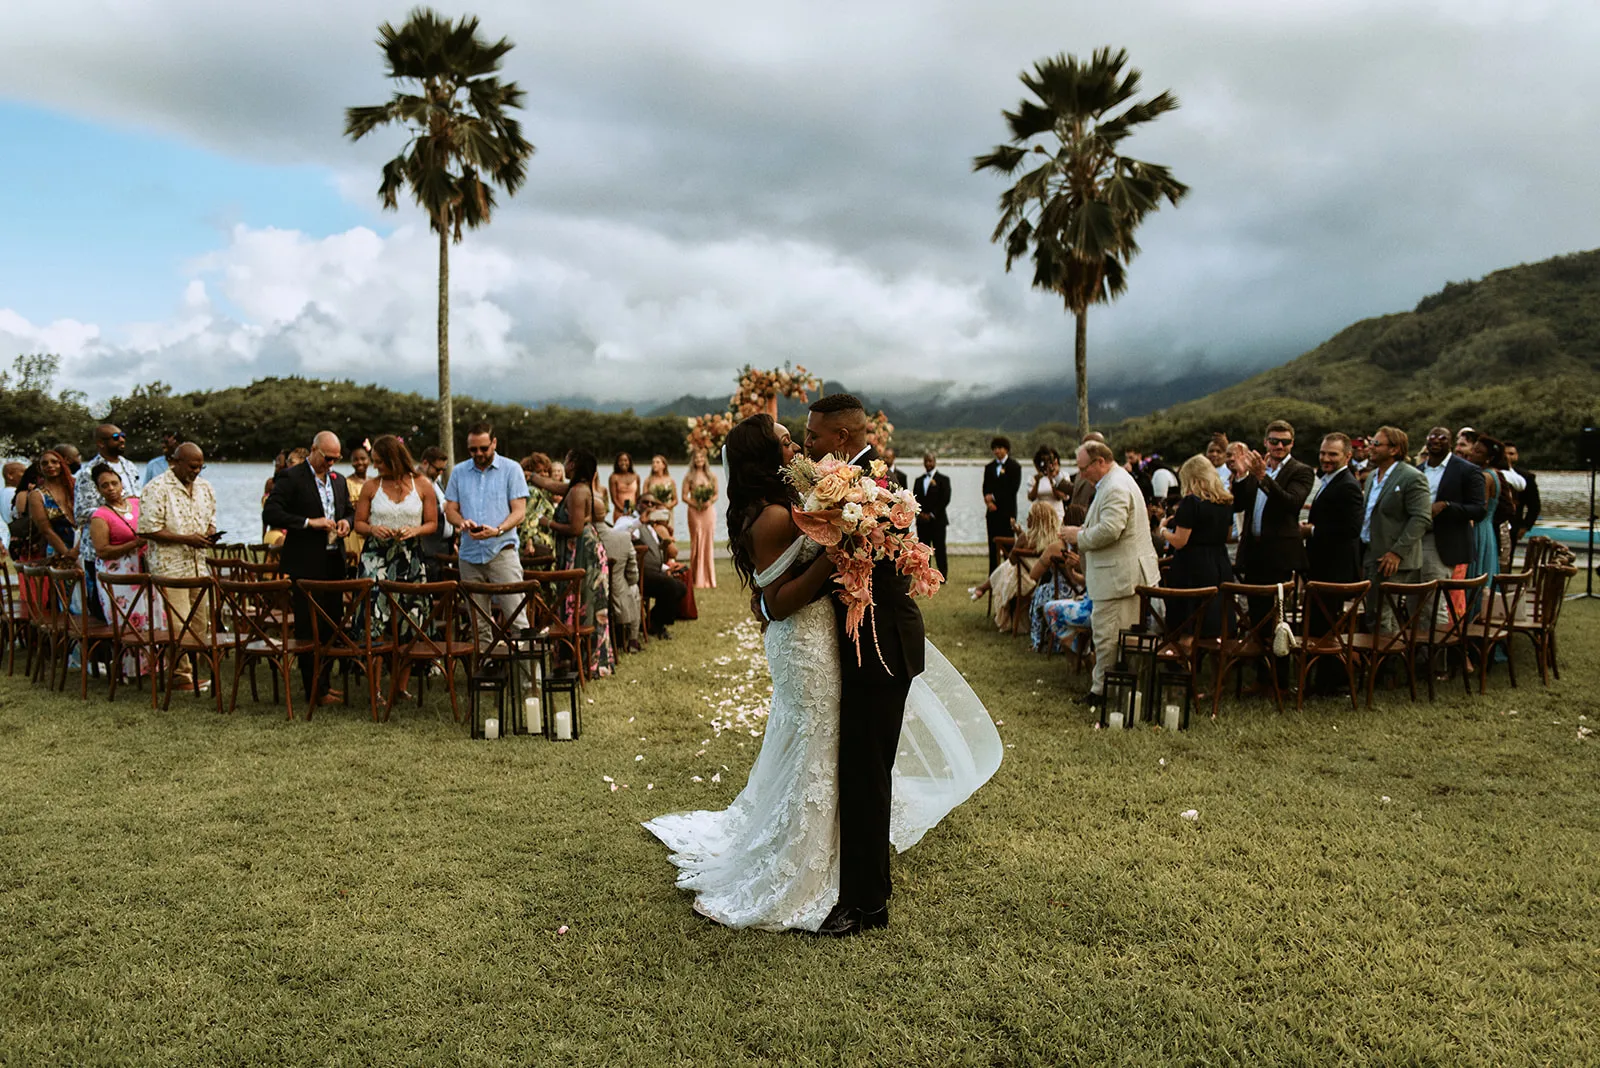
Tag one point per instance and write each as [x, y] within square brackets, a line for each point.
[754, 456]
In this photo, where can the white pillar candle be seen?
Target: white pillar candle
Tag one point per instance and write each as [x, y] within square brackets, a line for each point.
[532, 720]
[1115, 719]
[491, 728]
[1169, 717]
[564, 725]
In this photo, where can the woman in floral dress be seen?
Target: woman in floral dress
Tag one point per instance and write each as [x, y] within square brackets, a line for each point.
[393, 512]
[578, 546]
[535, 529]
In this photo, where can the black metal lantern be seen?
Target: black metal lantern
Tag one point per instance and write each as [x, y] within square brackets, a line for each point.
[531, 662]
[1174, 694]
[1122, 689]
[563, 722]
[1136, 653]
[493, 685]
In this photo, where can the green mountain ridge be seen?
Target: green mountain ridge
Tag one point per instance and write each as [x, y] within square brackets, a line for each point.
[1515, 354]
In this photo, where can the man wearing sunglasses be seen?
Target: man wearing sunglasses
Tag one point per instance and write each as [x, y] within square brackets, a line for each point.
[111, 445]
[1268, 492]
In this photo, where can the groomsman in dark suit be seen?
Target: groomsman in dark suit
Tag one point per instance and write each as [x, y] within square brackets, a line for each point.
[897, 476]
[311, 502]
[933, 501]
[1001, 481]
[1269, 490]
[1527, 501]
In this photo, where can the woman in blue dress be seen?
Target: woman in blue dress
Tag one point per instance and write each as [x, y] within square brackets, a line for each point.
[1489, 454]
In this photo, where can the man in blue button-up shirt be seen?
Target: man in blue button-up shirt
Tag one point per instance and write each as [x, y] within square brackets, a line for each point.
[485, 500]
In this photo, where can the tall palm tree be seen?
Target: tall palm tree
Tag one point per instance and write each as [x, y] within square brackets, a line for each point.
[1078, 210]
[461, 133]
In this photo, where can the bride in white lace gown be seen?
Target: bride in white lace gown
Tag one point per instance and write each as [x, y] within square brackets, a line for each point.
[771, 859]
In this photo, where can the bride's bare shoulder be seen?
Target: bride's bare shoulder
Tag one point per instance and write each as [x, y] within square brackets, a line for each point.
[771, 534]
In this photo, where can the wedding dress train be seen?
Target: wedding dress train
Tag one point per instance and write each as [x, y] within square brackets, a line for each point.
[771, 859]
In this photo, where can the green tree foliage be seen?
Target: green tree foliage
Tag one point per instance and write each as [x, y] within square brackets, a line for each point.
[31, 418]
[462, 141]
[1078, 210]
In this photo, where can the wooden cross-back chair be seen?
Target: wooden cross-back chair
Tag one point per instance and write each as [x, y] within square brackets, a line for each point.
[346, 638]
[510, 632]
[423, 621]
[1180, 626]
[1339, 606]
[264, 625]
[78, 628]
[1413, 607]
[138, 628]
[562, 596]
[1245, 640]
[195, 633]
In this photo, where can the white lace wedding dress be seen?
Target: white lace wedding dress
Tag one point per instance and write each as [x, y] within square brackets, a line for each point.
[771, 859]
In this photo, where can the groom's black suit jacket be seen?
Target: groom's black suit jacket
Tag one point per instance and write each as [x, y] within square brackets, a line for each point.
[897, 621]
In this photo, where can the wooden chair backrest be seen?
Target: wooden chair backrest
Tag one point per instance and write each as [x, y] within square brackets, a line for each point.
[350, 635]
[1340, 603]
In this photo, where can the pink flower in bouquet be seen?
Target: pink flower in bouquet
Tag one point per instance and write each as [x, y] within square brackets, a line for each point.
[903, 513]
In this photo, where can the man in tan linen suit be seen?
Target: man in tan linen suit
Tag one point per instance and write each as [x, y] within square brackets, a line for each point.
[1117, 552]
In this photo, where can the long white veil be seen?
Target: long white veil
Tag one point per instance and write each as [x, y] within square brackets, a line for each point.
[948, 748]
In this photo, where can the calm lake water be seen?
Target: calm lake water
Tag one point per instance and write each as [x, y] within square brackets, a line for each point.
[238, 487]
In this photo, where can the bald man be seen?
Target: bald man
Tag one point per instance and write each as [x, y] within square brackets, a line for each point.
[311, 502]
[178, 516]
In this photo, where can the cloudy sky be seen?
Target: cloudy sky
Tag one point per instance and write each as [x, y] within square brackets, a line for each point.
[722, 183]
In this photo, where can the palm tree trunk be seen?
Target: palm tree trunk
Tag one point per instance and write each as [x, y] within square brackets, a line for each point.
[447, 422]
[1081, 370]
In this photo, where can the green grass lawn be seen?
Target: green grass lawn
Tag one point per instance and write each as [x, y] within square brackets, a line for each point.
[1414, 884]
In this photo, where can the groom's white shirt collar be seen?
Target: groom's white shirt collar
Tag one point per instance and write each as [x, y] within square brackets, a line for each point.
[860, 454]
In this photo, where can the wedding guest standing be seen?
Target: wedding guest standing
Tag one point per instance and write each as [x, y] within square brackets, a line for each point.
[1527, 514]
[1046, 483]
[110, 446]
[1333, 535]
[393, 513]
[659, 489]
[1455, 488]
[486, 499]
[1394, 518]
[534, 531]
[170, 440]
[311, 504]
[896, 476]
[50, 507]
[360, 463]
[1001, 481]
[1488, 455]
[933, 500]
[701, 492]
[578, 545]
[623, 486]
[178, 517]
[1198, 534]
[1117, 554]
[119, 550]
[1268, 492]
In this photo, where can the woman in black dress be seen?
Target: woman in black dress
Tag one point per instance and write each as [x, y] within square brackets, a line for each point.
[1198, 535]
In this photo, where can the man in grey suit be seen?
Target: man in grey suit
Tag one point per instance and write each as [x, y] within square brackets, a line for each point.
[1398, 512]
[1117, 552]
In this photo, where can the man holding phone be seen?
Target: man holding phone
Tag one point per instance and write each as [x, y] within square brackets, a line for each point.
[178, 516]
[486, 499]
[310, 502]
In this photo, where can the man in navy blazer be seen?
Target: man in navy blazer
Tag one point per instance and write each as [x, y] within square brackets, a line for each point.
[1456, 490]
[311, 503]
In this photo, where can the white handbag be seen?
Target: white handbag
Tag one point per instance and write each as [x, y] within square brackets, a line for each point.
[1283, 637]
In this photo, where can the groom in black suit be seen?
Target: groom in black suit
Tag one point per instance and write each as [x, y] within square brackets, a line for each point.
[872, 698]
[933, 501]
[311, 503]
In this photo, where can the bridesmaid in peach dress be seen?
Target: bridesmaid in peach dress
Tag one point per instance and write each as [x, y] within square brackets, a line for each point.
[700, 493]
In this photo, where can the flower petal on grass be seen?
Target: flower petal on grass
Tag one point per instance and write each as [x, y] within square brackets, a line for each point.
[1190, 814]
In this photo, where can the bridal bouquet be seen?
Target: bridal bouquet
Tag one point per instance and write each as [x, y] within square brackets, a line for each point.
[861, 518]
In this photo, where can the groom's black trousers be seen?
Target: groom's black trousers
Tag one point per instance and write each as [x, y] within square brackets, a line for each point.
[869, 733]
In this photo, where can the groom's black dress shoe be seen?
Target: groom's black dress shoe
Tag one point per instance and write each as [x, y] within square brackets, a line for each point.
[849, 921]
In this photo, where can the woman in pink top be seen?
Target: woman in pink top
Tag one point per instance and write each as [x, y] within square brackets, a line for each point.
[120, 551]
